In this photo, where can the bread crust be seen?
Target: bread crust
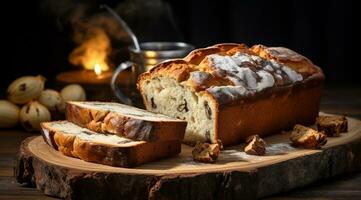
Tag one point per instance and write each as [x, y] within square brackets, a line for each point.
[288, 57]
[272, 109]
[115, 123]
[121, 156]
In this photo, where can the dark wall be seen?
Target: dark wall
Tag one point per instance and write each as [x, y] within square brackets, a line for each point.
[327, 32]
[38, 41]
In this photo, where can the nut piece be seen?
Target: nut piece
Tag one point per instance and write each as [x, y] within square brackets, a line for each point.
[306, 137]
[73, 92]
[25, 89]
[9, 114]
[332, 125]
[52, 100]
[32, 114]
[255, 145]
[205, 152]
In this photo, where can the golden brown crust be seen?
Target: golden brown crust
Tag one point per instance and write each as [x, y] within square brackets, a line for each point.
[125, 157]
[122, 156]
[114, 123]
[181, 69]
[177, 69]
[240, 49]
[238, 116]
[196, 56]
[64, 143]
[227, 46]
[208, 81]
[286, 56]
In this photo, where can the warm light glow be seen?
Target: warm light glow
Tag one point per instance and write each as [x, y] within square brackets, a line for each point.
[93, 52]
[97, 69]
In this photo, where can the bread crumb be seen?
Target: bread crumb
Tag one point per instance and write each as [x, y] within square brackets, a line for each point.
[205, 152]
[255, 145]
[305, 137]
[332, 126]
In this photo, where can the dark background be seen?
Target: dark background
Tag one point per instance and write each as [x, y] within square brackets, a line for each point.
[37, 35]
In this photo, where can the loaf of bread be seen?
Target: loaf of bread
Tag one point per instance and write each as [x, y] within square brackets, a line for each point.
[109, 149]
[125, 121]
[230, 91]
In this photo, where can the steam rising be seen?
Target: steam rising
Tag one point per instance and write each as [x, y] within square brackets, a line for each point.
[94, 48]
[92, 33]
[95, 30]
[92, 30]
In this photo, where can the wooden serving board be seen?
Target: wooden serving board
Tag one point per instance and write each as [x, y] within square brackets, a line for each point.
[236, 174]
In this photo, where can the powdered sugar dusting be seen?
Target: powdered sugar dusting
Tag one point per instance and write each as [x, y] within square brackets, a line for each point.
[279, 149]
[266, 80]
[269, 68]
[237, 155]
[225, 94]
[250, 71]
[293, 75]
[249, 74]
[199, 76]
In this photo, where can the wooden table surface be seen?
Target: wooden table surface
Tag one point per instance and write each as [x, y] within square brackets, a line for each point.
[336, 99]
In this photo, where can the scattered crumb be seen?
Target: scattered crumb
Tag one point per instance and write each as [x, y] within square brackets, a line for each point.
[255, 145]
[205, 152]
[305, 137]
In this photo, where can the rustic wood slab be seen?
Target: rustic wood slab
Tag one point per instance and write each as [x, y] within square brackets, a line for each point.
[235, 175]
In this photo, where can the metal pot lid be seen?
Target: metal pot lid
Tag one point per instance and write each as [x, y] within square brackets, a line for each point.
[163, 49]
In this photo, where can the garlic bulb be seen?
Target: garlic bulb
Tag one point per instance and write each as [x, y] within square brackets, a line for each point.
[9, 114]
[32, 114]
[52, 100]
[73, 92]
[25, 89]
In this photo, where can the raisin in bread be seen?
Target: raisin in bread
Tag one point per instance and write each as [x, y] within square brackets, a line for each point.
[75, 141]
[230, 91]
[125, 121]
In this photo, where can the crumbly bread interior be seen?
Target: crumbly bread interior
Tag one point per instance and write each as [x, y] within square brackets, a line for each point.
[165, 95]
[225, 77]
[84, 134]
[124, 110]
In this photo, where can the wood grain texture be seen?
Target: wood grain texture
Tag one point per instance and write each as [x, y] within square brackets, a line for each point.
[234, 175]
[337, 99]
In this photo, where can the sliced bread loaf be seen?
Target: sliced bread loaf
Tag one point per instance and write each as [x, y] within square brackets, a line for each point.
[109, 149]
[125, 121]
[229, 92]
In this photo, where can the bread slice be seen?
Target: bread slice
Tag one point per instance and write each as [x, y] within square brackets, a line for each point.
[108, 149]
[125, 121]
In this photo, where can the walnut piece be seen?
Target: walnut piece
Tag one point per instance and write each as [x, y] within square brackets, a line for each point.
[255, 145]
[331, 125]
[205, 152]
[306, 137]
